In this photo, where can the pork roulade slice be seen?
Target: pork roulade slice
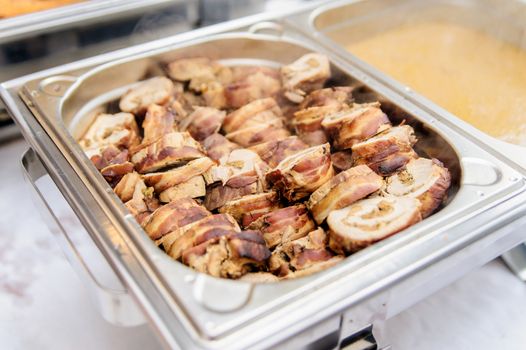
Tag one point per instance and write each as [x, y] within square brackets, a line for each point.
[370, 220]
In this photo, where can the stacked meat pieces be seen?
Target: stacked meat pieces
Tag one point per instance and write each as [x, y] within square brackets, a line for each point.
[259, 173]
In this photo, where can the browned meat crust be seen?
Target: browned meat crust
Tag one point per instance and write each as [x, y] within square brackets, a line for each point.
[249, 208]
[388, 151]
[283, 225]
[342, 190]
[156, 90]
[347, 127]
[425, 179]
[172, 149]
[300, 174]
[172, 216]
[370, 220]
[274, 151]
[300, 254]
[229, 256]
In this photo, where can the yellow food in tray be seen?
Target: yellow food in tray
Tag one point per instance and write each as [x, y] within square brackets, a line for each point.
[471, 74]
[11, 8]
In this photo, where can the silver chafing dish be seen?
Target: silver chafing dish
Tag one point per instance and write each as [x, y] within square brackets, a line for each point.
[135, 281]
[341, 22]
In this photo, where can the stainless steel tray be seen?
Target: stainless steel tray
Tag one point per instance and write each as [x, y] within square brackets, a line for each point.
[351, 20]
[82, 13]
[190, 310]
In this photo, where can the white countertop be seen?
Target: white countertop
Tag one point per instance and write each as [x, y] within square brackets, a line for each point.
[44, 305]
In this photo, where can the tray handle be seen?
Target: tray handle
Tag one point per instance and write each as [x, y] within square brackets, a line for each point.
[110, 295]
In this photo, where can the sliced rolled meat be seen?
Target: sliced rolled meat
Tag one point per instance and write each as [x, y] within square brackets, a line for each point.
[284, 225]
[252, 84]
[126, 186]
[301, 254]
[370, 220]
[249, 208]
[186, 69]
[163, 180]
[388, 151]
[172, 216]
[342, 190]
[113, 173]
[236, 163]
[255, 135]
[315, 265]
[339, 95]
[119, 130]
[203, 122]
[181, 182]
[300, 174]
[208, 228]
[425, 179]
[239, 174]
[107, 155]
[156, 90]
[172, 149]
[308, 123]
[158, 122]
[347, 127]
[229, 256]
[306, 74]
[274, 151]
[256, 113]
[217, 146]
[342, 160]
[142, 203]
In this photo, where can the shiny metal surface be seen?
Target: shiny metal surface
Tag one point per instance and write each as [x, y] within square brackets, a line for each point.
[482, 219]
[361, 18]
[82, 13]
[110, 296]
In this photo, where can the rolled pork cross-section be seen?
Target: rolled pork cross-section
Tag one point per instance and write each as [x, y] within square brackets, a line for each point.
[283, 225]
[388, 151]
[157, 90]
[172, 216]
[172, 149]
[118, 130]
[186, 69]
[302, 173]
[370, 220]
[251, 84]
[339, 95]
[208, 228]
[306, 74]
[425, 179]
[347, 127]
[249, 208]
[274, 151]
[203, 122]
[217, 146]
[308, 254]
[256, 113]
[158, 122]
[184, 181]
[162, 181]
[257, 134]
[142, 202]
[229, 256]
[342, 190]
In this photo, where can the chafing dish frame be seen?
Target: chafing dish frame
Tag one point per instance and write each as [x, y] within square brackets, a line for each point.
[364, 289]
